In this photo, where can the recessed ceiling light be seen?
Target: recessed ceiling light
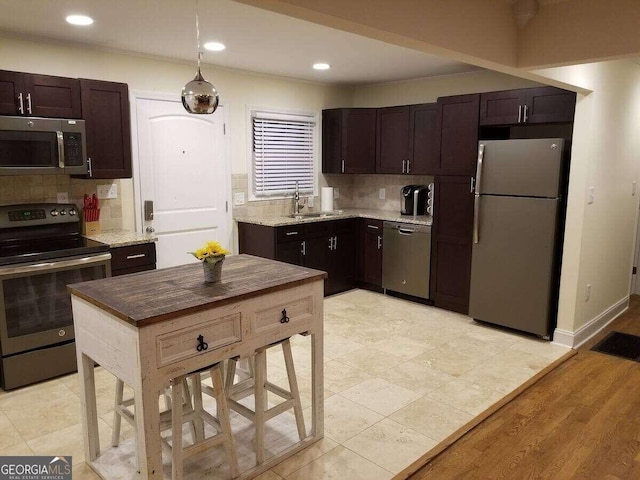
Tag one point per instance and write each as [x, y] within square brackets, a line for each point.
[321, 66]
[214, 46]
[79, 20]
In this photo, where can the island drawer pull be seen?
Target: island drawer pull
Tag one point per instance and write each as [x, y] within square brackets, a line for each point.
[284, 318]
[202, 345]
[137, 255]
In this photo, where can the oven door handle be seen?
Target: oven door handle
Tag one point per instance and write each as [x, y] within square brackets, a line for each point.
[58, 264]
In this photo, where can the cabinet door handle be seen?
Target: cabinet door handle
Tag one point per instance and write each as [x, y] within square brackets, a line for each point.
[284, 318]
[303, 246]
[21, 104]
[330, 243]
[408, 166]
[375, 227]
[335, 243]
[137, 255]
[288, 234]
[29, 104]
[526, 114]
[403, 162]
[379, 242]
[343, 165]
[519, 113]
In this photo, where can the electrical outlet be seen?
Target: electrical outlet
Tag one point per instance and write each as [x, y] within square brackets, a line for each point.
[238, 198]
[591, 195]
[587, 292]
[107, 191]
[336, 193]
[62, 197]
[310, 202]
[382, 193]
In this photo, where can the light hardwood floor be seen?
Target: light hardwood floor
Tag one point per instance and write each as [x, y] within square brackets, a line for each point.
[581, 421]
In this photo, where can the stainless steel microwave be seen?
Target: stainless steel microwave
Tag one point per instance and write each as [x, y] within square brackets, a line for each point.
[41, 146]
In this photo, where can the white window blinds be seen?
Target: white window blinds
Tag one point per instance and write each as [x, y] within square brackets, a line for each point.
[283, 153]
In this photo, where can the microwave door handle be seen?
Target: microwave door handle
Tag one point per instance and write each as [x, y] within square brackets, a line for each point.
[60, 149]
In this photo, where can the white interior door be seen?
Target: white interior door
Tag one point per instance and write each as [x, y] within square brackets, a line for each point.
[183, 171]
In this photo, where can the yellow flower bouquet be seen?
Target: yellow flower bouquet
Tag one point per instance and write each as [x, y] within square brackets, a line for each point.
[212, 252]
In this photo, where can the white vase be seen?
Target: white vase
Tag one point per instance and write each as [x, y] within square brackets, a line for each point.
[213, 270]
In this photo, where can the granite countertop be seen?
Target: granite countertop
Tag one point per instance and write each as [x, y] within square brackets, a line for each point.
[157, 295]
[122, 238]
[280, 220]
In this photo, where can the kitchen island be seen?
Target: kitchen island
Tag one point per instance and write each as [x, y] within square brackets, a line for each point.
[144, 329]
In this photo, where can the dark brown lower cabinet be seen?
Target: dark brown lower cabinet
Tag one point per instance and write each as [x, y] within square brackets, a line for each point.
[370, 255]
[328, 245]
[451, 246]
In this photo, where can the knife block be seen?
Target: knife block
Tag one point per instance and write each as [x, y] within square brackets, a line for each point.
[90, 228]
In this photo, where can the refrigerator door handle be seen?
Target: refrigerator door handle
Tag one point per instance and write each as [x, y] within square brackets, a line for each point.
[476, 218]
[479, 168]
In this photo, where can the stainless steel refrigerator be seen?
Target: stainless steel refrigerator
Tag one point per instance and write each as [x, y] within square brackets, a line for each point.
[515, 233]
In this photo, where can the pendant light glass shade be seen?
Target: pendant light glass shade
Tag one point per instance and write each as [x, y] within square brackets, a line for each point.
[199, 96]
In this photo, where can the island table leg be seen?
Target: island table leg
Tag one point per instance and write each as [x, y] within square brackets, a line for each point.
[88, 407]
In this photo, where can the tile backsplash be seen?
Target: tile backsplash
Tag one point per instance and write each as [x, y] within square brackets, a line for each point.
[44, 188]
[355, 191]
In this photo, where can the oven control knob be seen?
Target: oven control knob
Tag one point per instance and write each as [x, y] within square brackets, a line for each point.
[63, 212]
[54, 213]
[72, 212]
[61, 333]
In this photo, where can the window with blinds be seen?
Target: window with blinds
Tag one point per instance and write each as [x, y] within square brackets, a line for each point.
[283, 153]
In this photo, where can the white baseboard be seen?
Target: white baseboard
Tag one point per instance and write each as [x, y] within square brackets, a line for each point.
[588, 330]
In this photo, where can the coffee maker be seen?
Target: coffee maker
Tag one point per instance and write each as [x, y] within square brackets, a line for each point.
[413, 200]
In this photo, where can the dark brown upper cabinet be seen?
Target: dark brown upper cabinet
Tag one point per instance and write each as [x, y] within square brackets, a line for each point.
[457, 135]
[392, 140]
[349, 140]
[527, 106]
[105, 107]
[39, 95]
[423, 145]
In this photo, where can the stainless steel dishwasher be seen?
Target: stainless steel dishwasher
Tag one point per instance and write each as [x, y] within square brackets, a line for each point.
[406, 258]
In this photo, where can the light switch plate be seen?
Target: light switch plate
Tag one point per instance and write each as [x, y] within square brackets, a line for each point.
[238, 198]
[382, 193]
[336, 193]
[62, 197]
[310, 202]
[107, 191]
[591, 195]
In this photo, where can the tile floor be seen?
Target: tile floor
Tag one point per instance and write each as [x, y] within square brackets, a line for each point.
[399, 378]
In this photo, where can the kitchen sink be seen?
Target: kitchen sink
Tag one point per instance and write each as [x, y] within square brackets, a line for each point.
[300, 216]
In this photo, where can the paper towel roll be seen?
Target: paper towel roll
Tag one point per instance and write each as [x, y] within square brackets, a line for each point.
[326, 199]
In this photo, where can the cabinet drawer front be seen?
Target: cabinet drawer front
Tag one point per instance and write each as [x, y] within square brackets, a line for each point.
[290, 233]
[319, 229]
[182, 344]
[133, 256]
[272, 318]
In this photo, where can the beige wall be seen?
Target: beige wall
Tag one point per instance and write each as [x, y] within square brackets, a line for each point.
[599, 238]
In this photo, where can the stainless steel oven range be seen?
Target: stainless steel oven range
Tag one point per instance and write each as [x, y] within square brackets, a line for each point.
[41, 252]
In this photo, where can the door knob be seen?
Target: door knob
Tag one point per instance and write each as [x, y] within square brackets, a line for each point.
[150, 229]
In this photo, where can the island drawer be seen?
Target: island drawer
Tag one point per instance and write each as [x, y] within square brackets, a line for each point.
[283, 315]
[181, 344]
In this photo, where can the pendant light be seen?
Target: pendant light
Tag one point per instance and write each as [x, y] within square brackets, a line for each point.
[199, 96]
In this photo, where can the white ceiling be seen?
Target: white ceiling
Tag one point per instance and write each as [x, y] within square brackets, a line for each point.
[257, 40]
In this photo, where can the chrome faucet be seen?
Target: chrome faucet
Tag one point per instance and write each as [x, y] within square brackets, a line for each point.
[296, 201]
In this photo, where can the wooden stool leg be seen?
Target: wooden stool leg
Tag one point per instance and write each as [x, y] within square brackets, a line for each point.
[223, 418]
[198, 423]
[117, 419]
[260, 371]
[176, 431]
[293, 388]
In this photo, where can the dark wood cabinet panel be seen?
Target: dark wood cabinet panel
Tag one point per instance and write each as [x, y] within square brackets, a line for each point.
[290, 252]
[527, 106]
[343, 262]
[349, 140]
[457, 128]
[452, 242]
[39, 95]
[133, 258]
[370, 254]
[392, 140]
[258, 240]
[423, 141]
[105, 107]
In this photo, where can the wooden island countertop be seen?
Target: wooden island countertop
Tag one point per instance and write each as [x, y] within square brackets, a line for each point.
[148, 297]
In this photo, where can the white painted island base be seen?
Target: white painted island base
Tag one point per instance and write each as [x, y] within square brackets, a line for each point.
[147, 357]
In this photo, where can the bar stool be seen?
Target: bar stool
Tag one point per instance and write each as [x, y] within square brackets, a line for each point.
[256, 384]
[179, 416]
